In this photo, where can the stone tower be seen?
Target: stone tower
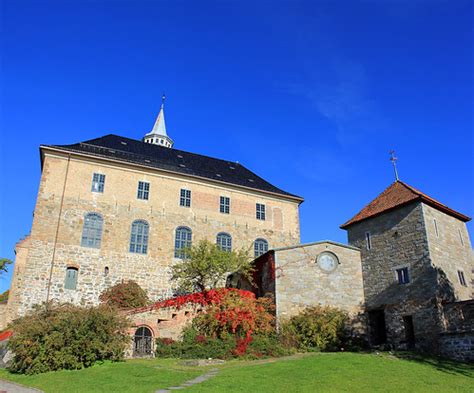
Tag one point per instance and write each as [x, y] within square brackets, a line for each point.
[158, 135]
[416, 256]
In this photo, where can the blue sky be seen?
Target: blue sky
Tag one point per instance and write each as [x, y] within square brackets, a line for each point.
[311, 95]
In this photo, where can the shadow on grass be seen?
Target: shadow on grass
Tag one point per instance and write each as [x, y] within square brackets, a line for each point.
[440, 364]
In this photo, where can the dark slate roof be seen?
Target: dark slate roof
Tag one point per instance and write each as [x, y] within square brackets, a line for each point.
[178, 161]
[396, 195]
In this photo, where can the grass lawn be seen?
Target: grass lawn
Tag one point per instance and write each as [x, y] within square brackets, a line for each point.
[327, 372]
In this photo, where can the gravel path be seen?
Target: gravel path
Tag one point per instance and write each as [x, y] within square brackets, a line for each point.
[11, 387]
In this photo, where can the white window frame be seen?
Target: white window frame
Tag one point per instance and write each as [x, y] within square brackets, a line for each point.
[143, 191]
[98, 182]
[260, 211]
[185, 197]
[224, 204]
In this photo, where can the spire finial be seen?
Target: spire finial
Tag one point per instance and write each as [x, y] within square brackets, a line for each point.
[394, 159]
[163, 100]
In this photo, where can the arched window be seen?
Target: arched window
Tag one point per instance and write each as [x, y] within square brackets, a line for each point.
[260, 247]
[92, 230]
[71, 278]
[182, 241]
[139, 237]
[224, 241]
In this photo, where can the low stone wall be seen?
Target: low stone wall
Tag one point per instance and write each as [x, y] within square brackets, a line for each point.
[458, 346]
[163, 322]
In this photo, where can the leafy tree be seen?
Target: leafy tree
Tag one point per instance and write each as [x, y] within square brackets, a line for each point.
[207, 266]
[4, 262]
[125, 295]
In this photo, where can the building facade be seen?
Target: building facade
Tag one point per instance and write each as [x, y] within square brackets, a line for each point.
[416, 257]
[113, 209]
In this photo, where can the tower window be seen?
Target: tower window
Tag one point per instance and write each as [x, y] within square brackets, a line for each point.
[436, 227]
[92, 230]
[224, 205]
[460, 237]
[462, 279]
[224, 241]
[183, 241]
[143, 190]
[368, 240]
[71, 278]
[402, 275]
[260, 212]
[185, 198]
[260, 247]
[98, 182]
[139, 237]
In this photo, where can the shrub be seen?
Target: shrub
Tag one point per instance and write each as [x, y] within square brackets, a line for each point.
[195, 346]
[66, 337]
[239, 315]
[315, 329]
[125, 295]
[267, 346]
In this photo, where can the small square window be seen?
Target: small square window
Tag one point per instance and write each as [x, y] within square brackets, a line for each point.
[98, 182]
[462, 279]
[185, 198]
[143, 190]
[260, 212]
[224, 205]
[402, 275]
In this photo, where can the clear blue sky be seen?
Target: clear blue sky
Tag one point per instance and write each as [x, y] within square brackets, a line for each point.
[311, 95]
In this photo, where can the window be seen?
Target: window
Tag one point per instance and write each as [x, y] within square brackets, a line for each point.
[185, 198]
[71, 278]
[98, 182]
[460, 237]
[92, 230]
[260, 247]
[368, 240]
[224, 241]
[462, 279]
[139, 237]
[225, 205]
[182, 241]
[402, 275]
[436, 228]
[260, 211]
[143, 190]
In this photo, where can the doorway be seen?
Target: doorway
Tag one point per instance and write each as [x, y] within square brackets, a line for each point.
[409, 331]
[377, 329]
[142, 342]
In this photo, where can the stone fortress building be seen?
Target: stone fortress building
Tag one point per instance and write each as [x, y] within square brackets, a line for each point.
[113, 208]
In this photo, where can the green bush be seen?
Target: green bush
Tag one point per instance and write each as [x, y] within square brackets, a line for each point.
[125, 295]
[66, 337]
[195, 346]
[315, 329]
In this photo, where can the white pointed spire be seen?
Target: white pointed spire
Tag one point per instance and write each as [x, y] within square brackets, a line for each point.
[158, 135]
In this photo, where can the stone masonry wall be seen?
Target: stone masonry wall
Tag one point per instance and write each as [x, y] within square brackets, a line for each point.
[398, 239]
[119, 207]
[300, 282]
[450, 249]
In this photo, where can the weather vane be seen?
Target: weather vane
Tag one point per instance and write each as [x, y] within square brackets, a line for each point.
[163, 100]
[394, 159]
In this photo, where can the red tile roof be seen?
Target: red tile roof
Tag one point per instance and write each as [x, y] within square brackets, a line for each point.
[396, 195]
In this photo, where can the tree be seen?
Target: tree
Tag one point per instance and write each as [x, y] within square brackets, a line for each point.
[207, 266]
[4, 262]
[125, 295]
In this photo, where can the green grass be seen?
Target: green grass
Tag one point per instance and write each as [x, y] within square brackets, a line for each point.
[326, 372]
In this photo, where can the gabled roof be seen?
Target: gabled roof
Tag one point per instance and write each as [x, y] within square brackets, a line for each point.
[396, 195]
[133, 151]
